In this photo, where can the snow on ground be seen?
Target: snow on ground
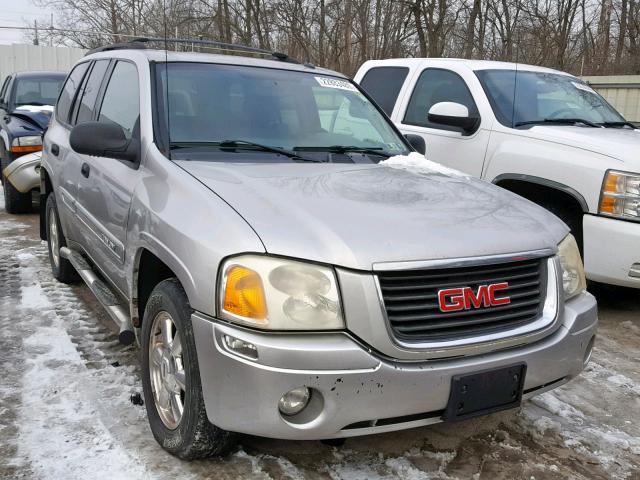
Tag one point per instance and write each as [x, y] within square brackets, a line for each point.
[65, 409]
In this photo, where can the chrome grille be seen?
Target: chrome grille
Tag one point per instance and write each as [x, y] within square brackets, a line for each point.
[412, 308]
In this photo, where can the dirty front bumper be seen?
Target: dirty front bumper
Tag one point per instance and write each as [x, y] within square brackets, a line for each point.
[354, 390]
[24, 173]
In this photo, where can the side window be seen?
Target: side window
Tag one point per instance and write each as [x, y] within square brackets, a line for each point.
[90, 90]
[121, 101]
[384, 84]
[4, 86]
[435, 86]
[68, 92]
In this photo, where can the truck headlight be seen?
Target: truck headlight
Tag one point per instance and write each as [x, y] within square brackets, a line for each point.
[279, 294]
[621, 195]
[27, 144]
[573, 279]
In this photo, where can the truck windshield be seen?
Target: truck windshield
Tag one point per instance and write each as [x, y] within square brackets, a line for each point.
[40, 90]
[241, 108]
[526, 98]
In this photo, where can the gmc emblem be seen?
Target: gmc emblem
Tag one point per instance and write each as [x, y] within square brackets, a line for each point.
[464, 298]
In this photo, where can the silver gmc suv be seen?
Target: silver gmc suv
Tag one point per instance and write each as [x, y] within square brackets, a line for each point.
[287, 263]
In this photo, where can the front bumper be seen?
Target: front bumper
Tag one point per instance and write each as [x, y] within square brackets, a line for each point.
[612, 251]
[24, 172]
[356, 391]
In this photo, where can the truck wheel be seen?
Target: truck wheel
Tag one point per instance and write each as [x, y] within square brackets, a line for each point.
[171, 378]
[14, 201]
[61, 268]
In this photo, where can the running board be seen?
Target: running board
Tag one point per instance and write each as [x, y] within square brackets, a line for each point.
[103, 293]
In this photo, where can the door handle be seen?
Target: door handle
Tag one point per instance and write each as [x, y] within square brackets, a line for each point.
[85, 170]
[55, 149]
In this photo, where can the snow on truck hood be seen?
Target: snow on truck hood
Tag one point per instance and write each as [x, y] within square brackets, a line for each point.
[623, 144]
[404, 209]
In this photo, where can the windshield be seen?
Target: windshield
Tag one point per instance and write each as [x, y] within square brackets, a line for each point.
[529, 97]
[40, 90]
[251, 108]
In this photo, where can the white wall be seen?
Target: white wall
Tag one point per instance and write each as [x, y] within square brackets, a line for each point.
[17, 58]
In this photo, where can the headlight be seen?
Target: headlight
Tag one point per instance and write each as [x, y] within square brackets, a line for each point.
[573, 280]
[30, 143]
[279, 294]
[621, 195]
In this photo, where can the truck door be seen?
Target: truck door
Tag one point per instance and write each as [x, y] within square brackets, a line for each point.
[445, 144]
[106, 185]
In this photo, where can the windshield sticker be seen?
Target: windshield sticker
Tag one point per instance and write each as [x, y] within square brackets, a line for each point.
[583, 87]
[336, 83]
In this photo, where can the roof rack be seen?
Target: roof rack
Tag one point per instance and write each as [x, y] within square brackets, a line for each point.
[142, 43]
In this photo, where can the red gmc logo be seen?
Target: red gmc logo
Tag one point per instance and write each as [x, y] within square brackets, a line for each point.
[464, 298]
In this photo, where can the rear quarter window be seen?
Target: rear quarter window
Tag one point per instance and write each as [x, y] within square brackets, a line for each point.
[384, 84]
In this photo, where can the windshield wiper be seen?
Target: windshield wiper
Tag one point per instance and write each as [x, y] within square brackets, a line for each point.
[617, 124]
[242, 144]
[558, 121]
[345, 149]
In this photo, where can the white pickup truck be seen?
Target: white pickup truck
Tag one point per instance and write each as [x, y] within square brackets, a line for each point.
[541, 133]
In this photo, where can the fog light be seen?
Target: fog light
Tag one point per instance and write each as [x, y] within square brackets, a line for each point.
[294, 401]
[240, 347]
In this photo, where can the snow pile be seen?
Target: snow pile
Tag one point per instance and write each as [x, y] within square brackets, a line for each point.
[418, 163]
[61, 433]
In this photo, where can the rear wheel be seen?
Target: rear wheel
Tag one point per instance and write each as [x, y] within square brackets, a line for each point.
[14, 201]
[171, 378]
[61, 268]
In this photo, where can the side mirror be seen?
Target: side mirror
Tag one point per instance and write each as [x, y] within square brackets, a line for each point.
[453, 115]
[100, 139]
[417, 142]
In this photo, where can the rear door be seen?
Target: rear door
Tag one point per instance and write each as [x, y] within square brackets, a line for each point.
[106, 185]
[384, 84]
[64, 163]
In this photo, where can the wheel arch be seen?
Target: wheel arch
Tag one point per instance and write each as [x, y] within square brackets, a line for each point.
[46, 187]
[150, 268]
[542, 183]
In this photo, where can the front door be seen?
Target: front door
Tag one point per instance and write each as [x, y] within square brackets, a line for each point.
[446, 145]
[106, 185]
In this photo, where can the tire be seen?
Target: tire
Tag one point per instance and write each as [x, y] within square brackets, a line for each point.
[188, 435]
[14, 201]
[570, 216]
[61, 268]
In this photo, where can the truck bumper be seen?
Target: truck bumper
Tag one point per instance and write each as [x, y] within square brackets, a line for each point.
[612, 251]
[354, 391]
[24, 172]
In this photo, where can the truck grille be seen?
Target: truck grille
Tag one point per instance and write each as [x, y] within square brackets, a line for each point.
[412, 305]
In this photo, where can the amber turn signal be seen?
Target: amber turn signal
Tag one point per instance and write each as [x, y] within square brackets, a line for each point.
[244, 294]
[26, 148]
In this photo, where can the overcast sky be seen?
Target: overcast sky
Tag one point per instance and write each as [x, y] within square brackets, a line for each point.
[17, 13]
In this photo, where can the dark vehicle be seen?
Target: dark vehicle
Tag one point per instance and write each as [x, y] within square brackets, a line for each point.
[26, 104]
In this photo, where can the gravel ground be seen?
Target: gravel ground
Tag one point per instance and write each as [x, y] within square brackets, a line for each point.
[65, 409]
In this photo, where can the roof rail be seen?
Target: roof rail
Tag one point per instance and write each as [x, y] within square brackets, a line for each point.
[142, 43]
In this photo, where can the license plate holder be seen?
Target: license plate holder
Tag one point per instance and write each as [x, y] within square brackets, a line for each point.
[484, 392]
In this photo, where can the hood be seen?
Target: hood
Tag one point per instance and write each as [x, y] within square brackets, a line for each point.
[357, 215]
[37, 115]
[620, 143]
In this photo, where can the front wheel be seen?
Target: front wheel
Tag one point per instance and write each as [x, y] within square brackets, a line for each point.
[171, 378]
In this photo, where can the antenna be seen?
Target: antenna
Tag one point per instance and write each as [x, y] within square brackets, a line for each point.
[515, 88]
[166, 74]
